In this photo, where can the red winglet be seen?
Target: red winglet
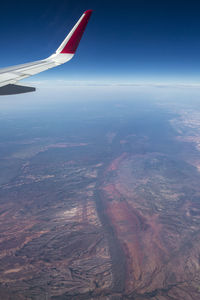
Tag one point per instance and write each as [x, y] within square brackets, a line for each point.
[74, 40]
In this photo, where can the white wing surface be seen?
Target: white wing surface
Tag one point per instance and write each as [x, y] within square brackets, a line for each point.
[11, 75]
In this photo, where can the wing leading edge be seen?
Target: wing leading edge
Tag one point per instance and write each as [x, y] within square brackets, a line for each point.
[11, 75]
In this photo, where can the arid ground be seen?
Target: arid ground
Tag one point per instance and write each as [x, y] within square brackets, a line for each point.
[103, 203]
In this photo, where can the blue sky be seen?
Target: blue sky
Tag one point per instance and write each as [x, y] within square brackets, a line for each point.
[126, 41]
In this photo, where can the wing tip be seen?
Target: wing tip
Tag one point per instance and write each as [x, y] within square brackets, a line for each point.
[72, 43]
[88, 12]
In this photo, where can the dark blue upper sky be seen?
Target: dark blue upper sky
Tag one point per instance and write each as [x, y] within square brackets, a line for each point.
[125, 40]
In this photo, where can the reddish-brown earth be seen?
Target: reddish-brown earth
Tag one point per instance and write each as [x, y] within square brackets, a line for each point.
[158, 241]
[108, 217]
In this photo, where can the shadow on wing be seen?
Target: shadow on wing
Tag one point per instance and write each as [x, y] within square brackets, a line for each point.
[12, 89]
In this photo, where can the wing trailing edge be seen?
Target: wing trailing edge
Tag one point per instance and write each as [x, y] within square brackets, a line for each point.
[13, 89]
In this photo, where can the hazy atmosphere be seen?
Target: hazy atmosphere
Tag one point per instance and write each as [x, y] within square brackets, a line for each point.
[100, 166]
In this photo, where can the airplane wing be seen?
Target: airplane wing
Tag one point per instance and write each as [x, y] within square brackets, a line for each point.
[11, 75]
